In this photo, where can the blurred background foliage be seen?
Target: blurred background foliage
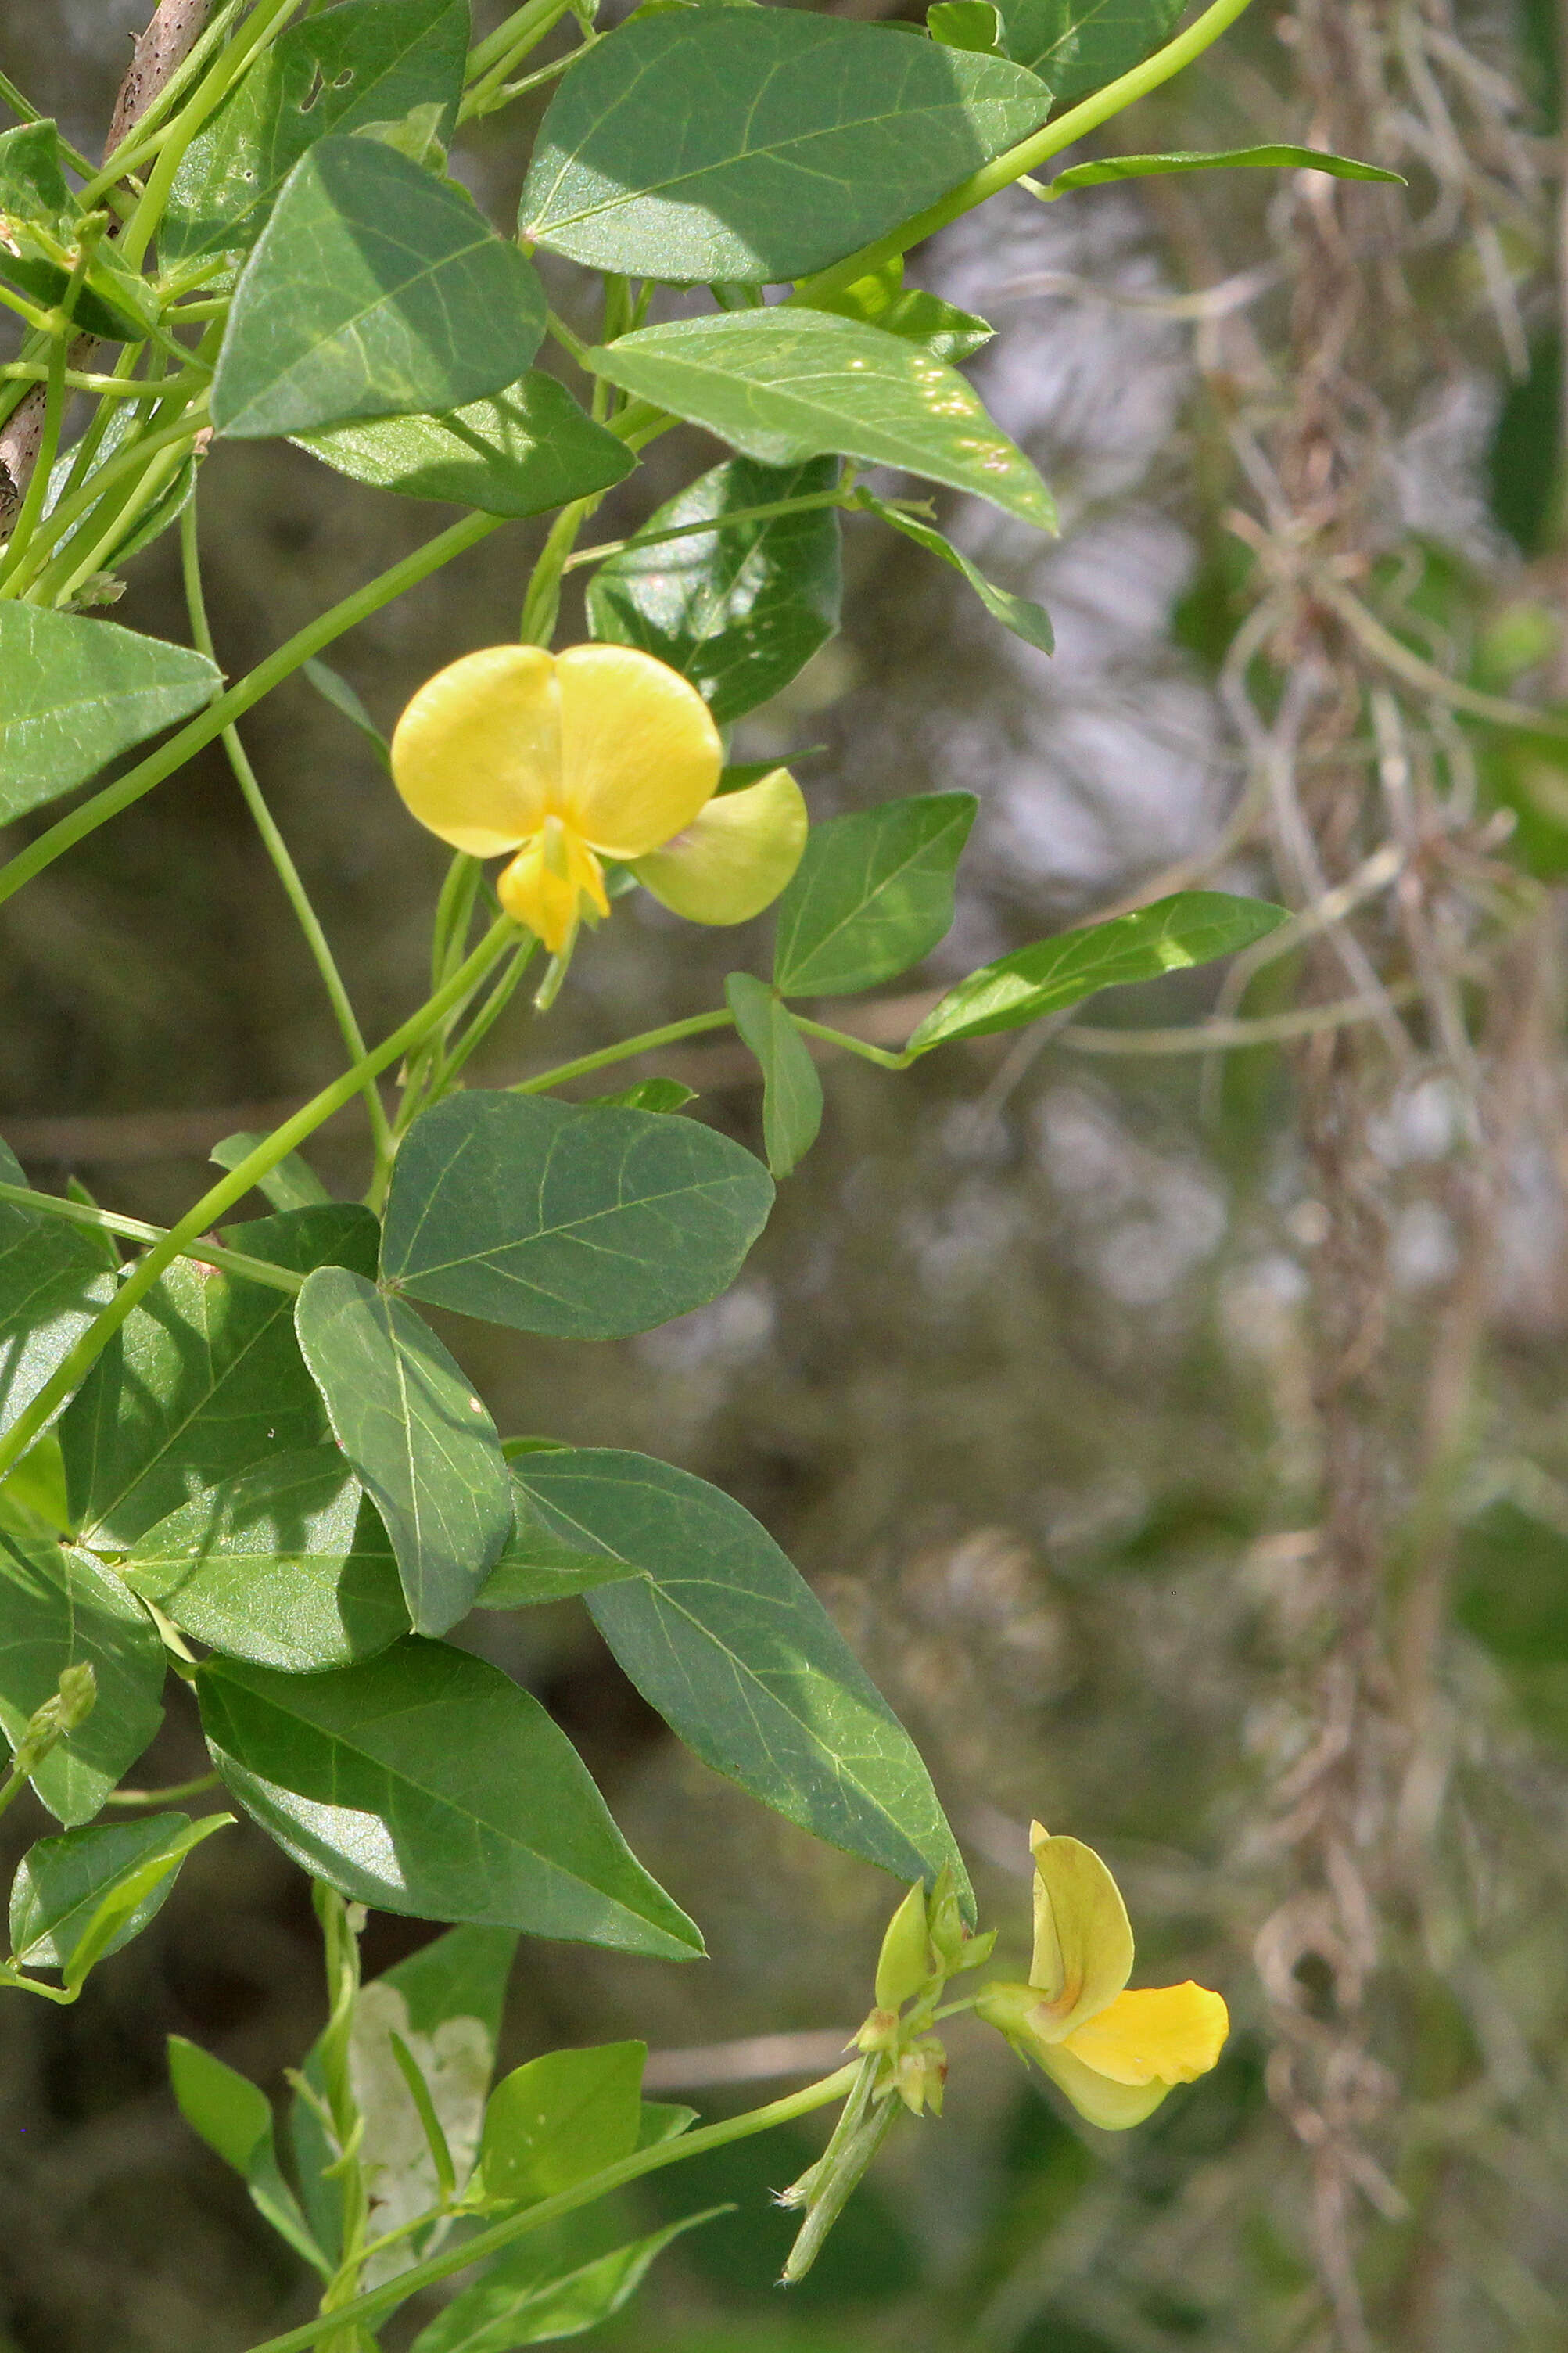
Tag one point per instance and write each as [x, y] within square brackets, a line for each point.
[1029, 1373]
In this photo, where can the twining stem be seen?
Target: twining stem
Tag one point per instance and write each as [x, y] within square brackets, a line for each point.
[277, 849]
[490, 61]
[670, 1035]
[75, 1367]
[861, 1046]
[382, 2300]
[131, 459]
[240, 697]
[213, 86]
[137, 1229]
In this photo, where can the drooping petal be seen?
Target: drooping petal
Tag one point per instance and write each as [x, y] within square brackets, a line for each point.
[1166, 2034]
[1114, 2107]
[640, 751]
[477, 753]
[547, 881]
[735, 856]
[1083, 1939]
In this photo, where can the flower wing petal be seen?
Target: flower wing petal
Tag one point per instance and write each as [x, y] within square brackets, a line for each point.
[1166, 2034]
[640, 751]
[1113, 2106]
[735, 856]
[477, 753]
[1083, 1939]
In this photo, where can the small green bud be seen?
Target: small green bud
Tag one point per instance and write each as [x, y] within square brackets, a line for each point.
[956, 1948]
[919, 2075]
[880, 2032]
[77, 1697]
[67, 1707]
[905, 1962]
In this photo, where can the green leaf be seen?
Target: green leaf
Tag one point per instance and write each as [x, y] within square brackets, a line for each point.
[759, 145]
[58, 1608]
[658, 1094]
[1077, 46]
[406, 1416]
[792, 1092]
[84, 535]
[967, 24]
[738, 610]
[1027, 620]
[513, 2304]
[789, 383]
[663, 2120]
[368, 63]
[77, 1899]
[527, 450]
[202, 1381]
[537, 1566]
[561, 2118]
[375, 290]
[729, 1642]
[33, 185]
[53, 1281]
[568, 1218]
[1170, 935]
[424, 1781]
[74, 693]
[881, 300]
[872, 895]
[235, 2119]
[287, 1564]
[290, 1183]
[1276, 157]
[334, 688]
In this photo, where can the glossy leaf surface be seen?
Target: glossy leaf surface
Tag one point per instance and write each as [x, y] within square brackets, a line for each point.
[75, 692]
[53, 1281]
[517, 453]
[872, 895]
[1077, 46]
[78, 1898]
[792, 1092]
[59, 1609]
[560, 2119]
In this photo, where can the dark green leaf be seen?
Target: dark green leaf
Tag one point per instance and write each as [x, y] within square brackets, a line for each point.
[1077, 46]
[1272, 158]
[537, 1566]
[79, 1898]
[53, 1281]
[375, 291]
[789, 383]
[657, 1094]
[525, 450]
[424, 1781]
[369, 62]
[74, 693]
[872, 895]
[1170, 935]
[287, 1564]
[514, 2303]
[407, 1419]
[58, 1608]
[32, 183]
[202, 1381]
[792, 1092]
[559, 2120]
[289, 1184]
[967, 24]
[567, 1218]
[728, 1641]
[739, 609]
[757, 145]
[1027, 620]
[235, 2119]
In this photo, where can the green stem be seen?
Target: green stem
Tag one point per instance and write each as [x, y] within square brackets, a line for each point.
[277, 849]
[42, 322]
[484, 1021]
[491, 60]
[861, 1046]
[670, 1035]
[382, 2300]
[542, 605]
[607, 548]
[126, 461]
[136, 1230]
[241, 698]
[992, 178]
[44, 466]
[75, 1367]
[104, 387]
[22, 107]
[213, 88]
[497, 97]
[174, 1795]
[150, 129]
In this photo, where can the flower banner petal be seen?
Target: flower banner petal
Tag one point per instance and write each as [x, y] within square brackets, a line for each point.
[1083, 1941]
[477, 753]
[640, 751]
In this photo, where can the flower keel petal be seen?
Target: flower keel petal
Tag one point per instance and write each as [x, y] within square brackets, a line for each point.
[1166, 2034]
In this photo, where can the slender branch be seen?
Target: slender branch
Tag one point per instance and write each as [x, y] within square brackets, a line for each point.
[670, 1035]
[1212, 1037]
[861, 1046]
[608, 547]
[175, 1794]
[136, 1230]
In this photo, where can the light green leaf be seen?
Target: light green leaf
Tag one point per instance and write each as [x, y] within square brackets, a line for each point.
[235, 2119]
[202, 1381]
[426, 1781]
[405, 1414]
[872, 895]
[660, 1095]
[53, 1281]
[289, 1184]
[1271, 158]
[77, 1899]
[729, 1642]
[525, 450]
[1191, 928]
[561, 2118]
[759, 144]
[738, 610]
[375, 290]
[881, 300]
[366, 62]
[1027, 620]
[74, 693]
[1077, 46]
[967, 24]
[513, 2303]
[568, 1218]
[58, 1608]
[334, 688]
[792, 1092]
[287, 1564]
[789, 383]
[663, 2120]
[537, 1566]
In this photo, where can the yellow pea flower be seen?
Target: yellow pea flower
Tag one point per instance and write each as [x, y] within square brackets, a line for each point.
[601, 752]
[1114, 2054]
